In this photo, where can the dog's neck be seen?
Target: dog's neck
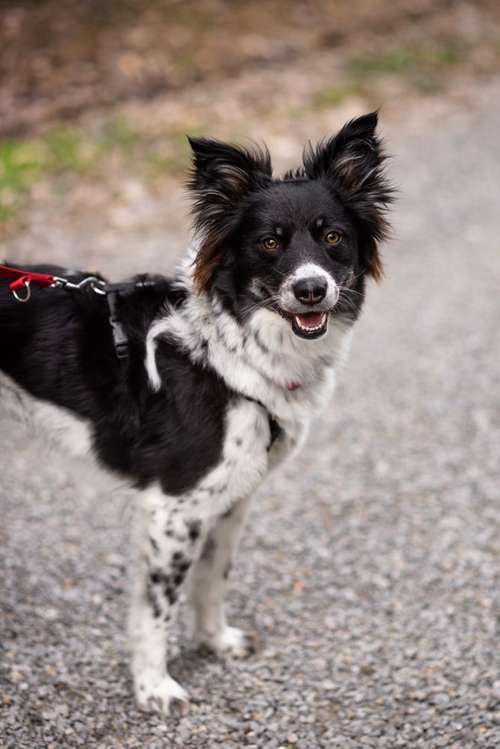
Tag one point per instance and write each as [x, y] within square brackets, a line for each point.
[260, 358]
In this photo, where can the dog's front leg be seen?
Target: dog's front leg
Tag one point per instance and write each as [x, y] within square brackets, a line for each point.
[169, 538]
[209, 583]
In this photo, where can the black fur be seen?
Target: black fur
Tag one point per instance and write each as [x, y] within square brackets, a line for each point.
[290, 254]
[238, 203]
[59, 348]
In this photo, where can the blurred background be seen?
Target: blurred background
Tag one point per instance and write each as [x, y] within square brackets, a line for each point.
[372, 562]
[96, 98]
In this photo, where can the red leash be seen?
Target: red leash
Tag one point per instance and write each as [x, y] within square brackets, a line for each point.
[23, 279]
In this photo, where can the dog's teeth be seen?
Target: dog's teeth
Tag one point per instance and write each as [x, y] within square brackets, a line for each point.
[308, 328]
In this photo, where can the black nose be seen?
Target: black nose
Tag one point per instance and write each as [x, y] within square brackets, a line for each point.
[310, 290]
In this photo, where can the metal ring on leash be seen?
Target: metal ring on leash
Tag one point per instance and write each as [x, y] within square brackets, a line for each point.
[25, 298]
[99, 288]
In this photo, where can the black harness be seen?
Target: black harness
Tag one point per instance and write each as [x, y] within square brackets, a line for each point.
[275, 428]
[20, 282]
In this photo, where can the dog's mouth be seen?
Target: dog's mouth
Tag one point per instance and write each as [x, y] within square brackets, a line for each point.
[310, 324]
[307, 324]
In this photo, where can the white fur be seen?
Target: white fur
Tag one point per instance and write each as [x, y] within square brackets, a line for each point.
[209, 582]
[165, 522]
[58, 425]
[259, 361]
[308, 270]
[244, 365]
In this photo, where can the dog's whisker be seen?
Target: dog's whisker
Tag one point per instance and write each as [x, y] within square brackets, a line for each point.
[267, 302]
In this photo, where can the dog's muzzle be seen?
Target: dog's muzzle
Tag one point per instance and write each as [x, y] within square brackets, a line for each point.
[307, 298]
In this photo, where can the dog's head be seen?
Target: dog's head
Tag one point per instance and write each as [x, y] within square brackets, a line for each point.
[300, 246]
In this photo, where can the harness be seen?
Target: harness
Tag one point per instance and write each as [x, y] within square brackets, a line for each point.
[275, 428]
[23, 280]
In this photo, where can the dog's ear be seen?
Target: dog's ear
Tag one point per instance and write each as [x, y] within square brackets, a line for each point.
[353, 162]
[222, 175]
[230, 169]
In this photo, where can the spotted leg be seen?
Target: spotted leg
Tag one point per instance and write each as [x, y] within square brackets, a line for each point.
[169, 539]
[209, 583]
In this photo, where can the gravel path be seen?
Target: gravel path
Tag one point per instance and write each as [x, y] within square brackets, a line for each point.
[371, 565]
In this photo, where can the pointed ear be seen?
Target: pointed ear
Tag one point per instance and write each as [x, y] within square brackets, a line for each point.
[229, 168]
[221, 176]
[353, 162]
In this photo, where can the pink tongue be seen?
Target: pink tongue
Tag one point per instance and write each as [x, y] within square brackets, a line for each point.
[311, 319]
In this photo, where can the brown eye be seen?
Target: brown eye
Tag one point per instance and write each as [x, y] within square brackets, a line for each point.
[333, 237]
[270, 243]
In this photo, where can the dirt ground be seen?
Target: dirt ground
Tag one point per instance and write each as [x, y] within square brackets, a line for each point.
[96, 99]
[61, 58]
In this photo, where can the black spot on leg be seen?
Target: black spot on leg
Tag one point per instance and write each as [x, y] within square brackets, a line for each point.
[169, 533]
[238, 441]
[180, 563]
[171, 595]
[154, 545]
[151, 598]
[194, 529]
[227, 570]
[209, 549]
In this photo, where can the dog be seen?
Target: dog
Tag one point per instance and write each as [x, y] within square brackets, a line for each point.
[227, 362]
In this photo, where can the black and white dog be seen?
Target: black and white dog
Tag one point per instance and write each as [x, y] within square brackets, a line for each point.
[227, 363]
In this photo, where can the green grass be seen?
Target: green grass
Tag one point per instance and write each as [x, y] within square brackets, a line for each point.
[333, 96]
[19, 168]
[403, 61]
[420, 67]
[85, 153]
[23, 162]
[115, 142]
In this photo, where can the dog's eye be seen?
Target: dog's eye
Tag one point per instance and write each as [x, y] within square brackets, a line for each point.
[333, 237]
[270, 243]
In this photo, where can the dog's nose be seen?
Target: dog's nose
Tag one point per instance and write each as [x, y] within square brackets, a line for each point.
[310, 290]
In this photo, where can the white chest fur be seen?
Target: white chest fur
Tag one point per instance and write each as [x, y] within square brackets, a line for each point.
[261, 358]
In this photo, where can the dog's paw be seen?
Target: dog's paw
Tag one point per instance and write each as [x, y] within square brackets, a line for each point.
[232, 641]
[164, 696]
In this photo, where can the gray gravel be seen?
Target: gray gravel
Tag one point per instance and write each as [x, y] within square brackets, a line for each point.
[371, 566]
